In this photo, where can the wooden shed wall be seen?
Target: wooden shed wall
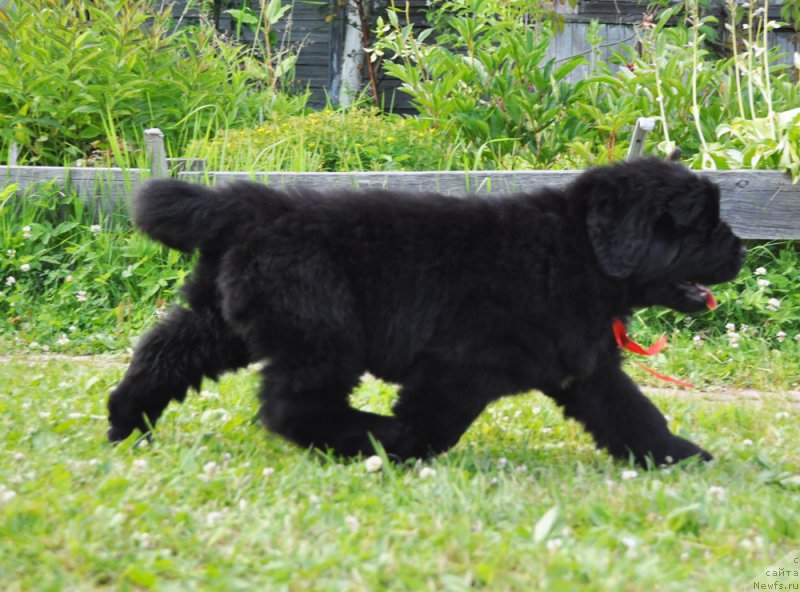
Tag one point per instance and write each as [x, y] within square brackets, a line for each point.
[321, 39]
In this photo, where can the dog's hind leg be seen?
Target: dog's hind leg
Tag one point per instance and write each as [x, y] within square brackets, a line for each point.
[311, 408]
[436, 405]
[623, 420]
[175, 355]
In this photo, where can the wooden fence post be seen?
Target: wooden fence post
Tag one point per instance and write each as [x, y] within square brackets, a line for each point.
[644, 125]
[13, 152]
[156, 154]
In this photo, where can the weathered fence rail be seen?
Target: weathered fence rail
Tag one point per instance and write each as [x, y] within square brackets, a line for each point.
[757, 204]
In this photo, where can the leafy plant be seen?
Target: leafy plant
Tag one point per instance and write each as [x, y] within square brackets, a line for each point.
[723, 112]
[485, 79]
[82, 77]
[331, 140]
[70, 273]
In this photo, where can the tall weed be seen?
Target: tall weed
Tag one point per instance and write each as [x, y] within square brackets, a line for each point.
[73, 276]
[485, 80]
[72, 71]
[331, 140]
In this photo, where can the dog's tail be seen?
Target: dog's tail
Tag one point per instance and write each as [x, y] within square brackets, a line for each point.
[186, 216]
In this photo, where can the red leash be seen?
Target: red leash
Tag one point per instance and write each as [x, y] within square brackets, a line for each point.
[626, 343]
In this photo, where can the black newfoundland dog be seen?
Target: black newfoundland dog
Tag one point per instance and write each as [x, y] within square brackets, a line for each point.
[460, 301]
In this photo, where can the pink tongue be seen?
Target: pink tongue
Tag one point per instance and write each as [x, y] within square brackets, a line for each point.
[711, 302]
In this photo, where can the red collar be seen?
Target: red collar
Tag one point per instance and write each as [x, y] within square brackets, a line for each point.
[626, 343]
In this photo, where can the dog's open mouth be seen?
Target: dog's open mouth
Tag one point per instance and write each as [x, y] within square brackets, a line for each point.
[698, 292]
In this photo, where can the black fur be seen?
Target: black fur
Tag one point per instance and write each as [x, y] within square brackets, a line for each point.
[459, 300]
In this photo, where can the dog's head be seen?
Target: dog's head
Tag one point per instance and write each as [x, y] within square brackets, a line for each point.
[657, 225]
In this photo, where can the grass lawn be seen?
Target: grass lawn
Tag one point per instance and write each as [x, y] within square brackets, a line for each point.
[524, 502]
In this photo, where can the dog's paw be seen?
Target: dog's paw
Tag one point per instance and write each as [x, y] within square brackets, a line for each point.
[125, 415]
[118, 433]
[672, 451]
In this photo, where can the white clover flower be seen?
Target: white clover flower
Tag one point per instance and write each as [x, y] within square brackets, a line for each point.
[11, 280]
[782, 415]
[73, 329]
[218, 414]
[763, 283]
[24, 267]
[267, 471]
[760, 271]
[6, 495]
[63, 340]
[630, 541]
[210, 468]
[213, 517]
[715, 492]
[95, 229]
[780, 336]
[553, 544]
[352, 523]
[730, 327]
[68, 278]
[697, 339]
[139, 464]
[373, 464]
[427, 473]
[747, 442]
[142, 539]
[773, 304]
[81, 296]
[11, 253]
[629, 474]
[26, 232]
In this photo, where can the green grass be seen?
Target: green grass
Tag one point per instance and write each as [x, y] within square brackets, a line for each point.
[524, 502]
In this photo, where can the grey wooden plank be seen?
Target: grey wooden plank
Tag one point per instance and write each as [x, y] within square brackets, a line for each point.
[760, 204]
[85, 181]
[447, 182]
[106, 189]
[757, 204]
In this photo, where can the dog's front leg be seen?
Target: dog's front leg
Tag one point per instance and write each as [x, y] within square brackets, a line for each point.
[175, 355]
[623, 420]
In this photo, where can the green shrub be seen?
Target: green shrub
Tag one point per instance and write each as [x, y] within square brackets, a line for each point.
[330, 140]
[73, 277]
[484, 80]
[736, 112]
[87, 77]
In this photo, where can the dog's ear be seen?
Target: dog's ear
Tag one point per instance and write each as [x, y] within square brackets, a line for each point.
[620, 225]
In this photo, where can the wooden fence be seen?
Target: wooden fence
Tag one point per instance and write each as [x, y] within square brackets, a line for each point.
[757, 204]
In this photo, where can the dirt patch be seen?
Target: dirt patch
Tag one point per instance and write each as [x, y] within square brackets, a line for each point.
[714, 394]
[728, 395]
[100, 361]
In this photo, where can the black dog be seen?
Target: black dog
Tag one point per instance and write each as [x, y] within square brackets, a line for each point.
[461, 301]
